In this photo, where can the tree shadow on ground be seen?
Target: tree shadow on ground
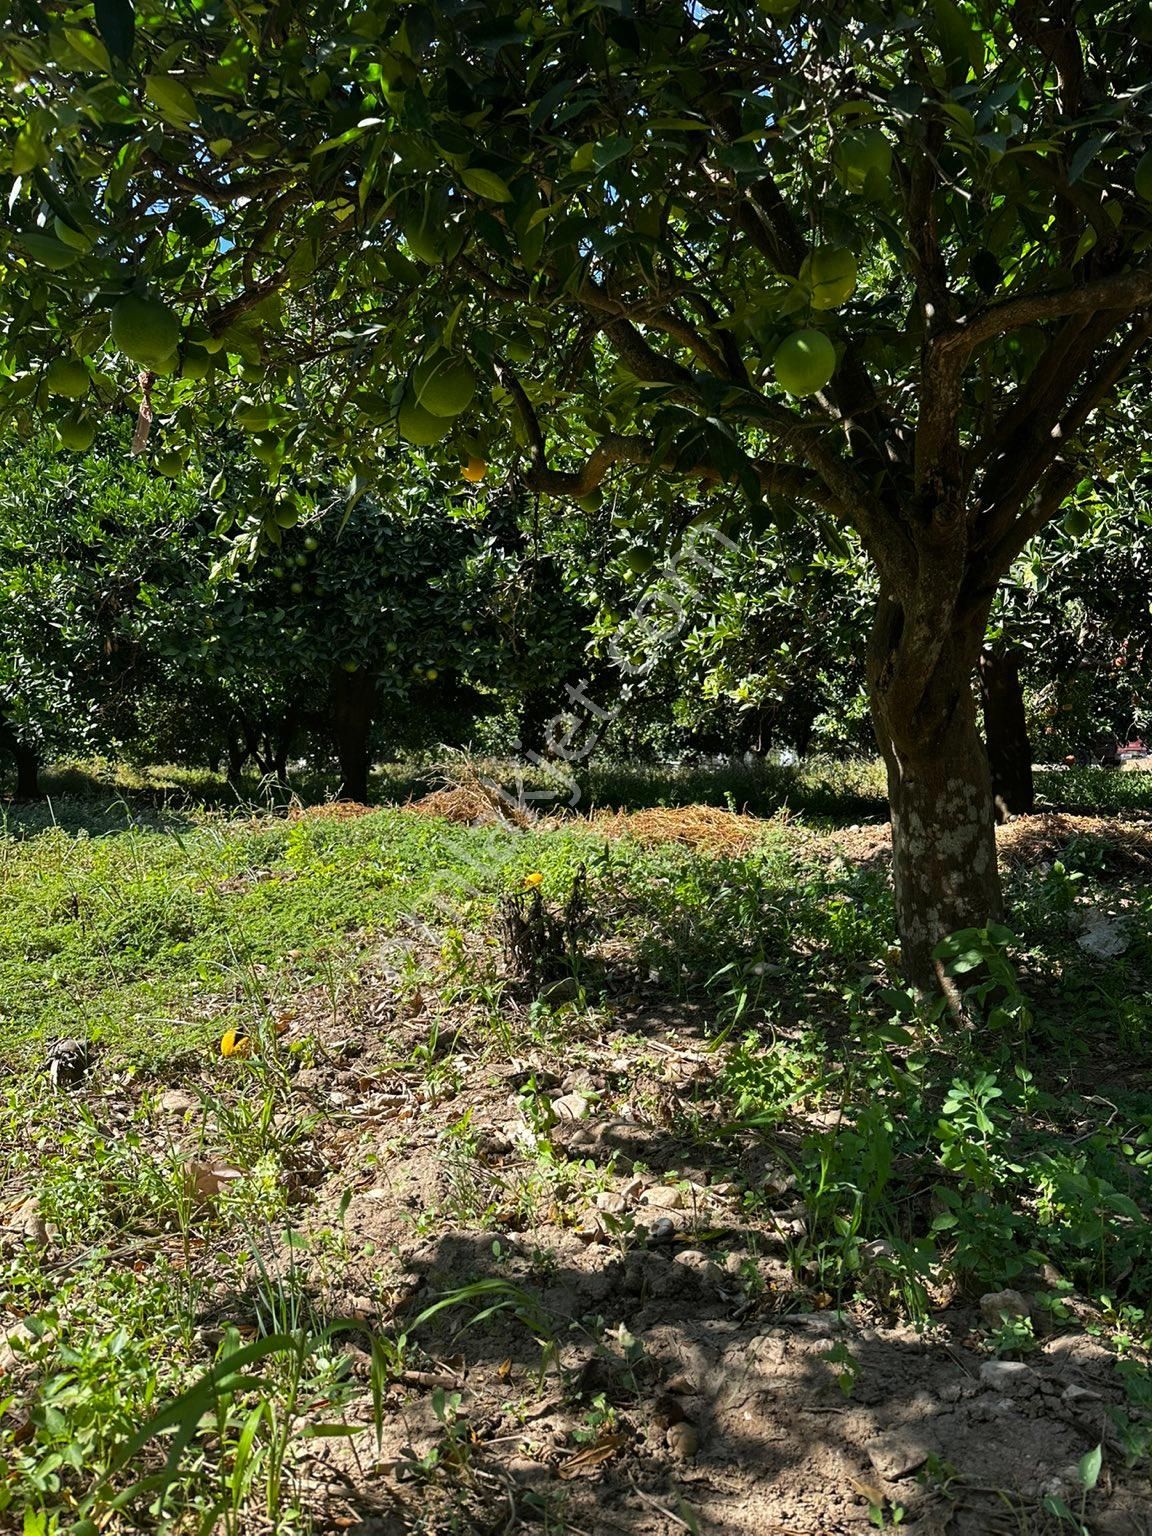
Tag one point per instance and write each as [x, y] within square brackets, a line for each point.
[639, 1390]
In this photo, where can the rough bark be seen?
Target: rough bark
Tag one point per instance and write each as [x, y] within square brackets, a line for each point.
[353, 698]
[1006, 733]
[944, 869]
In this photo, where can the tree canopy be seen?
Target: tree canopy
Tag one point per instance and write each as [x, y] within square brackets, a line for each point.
[886, 266]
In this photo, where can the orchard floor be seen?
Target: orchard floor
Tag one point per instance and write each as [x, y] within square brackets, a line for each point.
[695, 1229]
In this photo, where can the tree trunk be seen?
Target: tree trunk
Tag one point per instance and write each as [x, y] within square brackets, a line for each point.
[944, 867]
[27, 772]
[1006, 732]
[353, 697]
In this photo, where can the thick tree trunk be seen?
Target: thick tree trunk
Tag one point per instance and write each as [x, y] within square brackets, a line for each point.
[27, 772]
[944, 867]
[1006, 732]
[353, 697]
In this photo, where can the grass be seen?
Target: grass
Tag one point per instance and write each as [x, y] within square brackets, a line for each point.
[1011, 1146]
[820, 789]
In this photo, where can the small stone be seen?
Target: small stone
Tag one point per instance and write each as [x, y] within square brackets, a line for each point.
[579, 1081]
[699, 1265]
[633, 1189]
[665, 1197]
[900, 1452]
[571, 1106]
[608, 1200]
[14, 1342]
[875, 1251]
[1080, 1395]
[1011, 1377]
[178, 1101]
[683, 1440]
[997, 1306]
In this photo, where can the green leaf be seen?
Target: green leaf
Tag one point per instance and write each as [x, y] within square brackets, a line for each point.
[1089, 1468]
[116, 24]
[29, 149]
[486, 184]
[174, 101]
[49, 252]
[90, 49]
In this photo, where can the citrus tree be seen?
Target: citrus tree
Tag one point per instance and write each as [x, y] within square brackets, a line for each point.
[885, 264]
[1076, 619]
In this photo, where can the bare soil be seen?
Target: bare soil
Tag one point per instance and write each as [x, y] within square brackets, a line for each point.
[662, 1369]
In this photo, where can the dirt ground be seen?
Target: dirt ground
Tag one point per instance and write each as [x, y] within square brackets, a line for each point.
[654, 1366]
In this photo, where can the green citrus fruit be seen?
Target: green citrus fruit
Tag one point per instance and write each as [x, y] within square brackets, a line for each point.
[311, 543]
[171, 464]
[144, 329]
[287, 516]
[519, 347]
[443, 384]
[1077, 522]
[350, 666]
[418, 426]
[830, 274]
[863, 159]
[431, 675]
[266, 448]
[68, 376]
[196, 363]
[77, 433]
[804, 362]
[640, 559]
[296, 588]
[1144, 177]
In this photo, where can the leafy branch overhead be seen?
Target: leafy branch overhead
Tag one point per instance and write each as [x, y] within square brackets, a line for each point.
[891, 256]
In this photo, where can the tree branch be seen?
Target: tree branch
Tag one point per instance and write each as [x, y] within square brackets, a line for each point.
[1122, 292]
[1005, 529]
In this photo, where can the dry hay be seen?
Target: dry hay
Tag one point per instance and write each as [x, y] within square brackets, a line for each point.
[1125, 844]
[1027, 840]
[705, 828]
[331, 810]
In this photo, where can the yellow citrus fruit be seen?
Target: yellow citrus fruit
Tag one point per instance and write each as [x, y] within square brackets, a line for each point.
[474, 471]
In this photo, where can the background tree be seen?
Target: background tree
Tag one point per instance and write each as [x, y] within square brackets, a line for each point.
[888, 266]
